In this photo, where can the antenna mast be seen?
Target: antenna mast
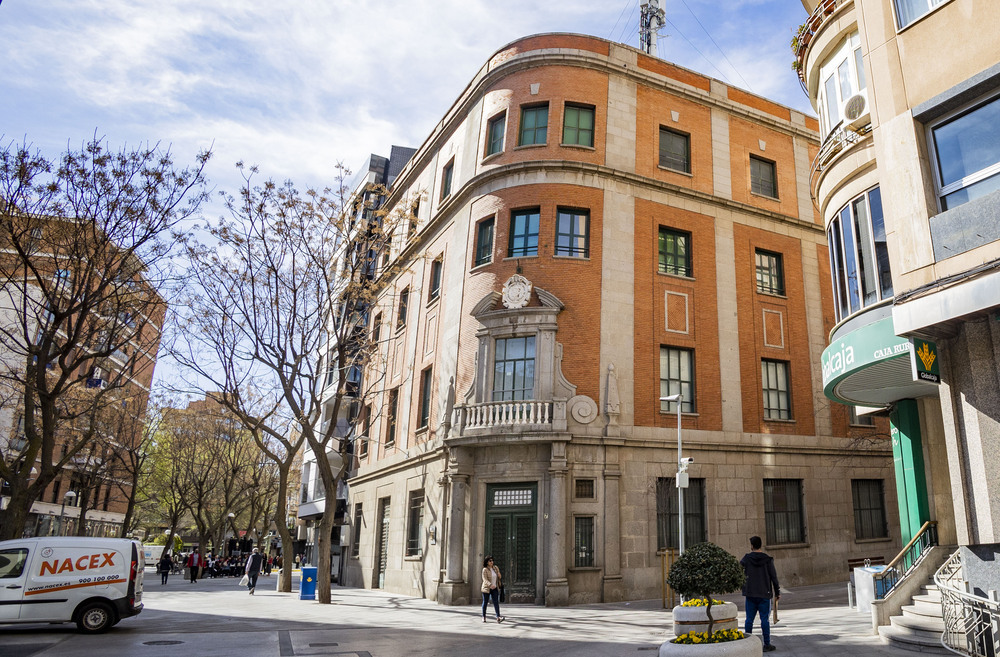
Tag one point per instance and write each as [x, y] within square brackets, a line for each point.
[650, 21]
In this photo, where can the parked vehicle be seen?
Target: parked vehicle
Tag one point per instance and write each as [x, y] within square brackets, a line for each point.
[93, 582]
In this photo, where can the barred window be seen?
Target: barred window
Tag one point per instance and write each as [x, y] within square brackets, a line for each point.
[358, 521]
[667, 529]
[869, 509]
[584, 489]
[584, 542]
[783, 516]
[415, 524]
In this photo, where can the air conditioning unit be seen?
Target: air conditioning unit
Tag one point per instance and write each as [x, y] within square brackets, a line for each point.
[856, 112]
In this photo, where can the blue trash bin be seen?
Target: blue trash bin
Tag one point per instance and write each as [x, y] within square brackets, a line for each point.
[307, 583]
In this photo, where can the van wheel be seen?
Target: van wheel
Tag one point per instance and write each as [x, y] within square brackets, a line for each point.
[95, 617]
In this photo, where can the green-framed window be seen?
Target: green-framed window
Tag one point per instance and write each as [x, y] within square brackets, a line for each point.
[578, 125]
[770, 273]
[495, 130]
[484, 242]
[534, 125]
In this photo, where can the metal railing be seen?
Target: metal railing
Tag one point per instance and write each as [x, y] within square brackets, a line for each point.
[839, 139]
[491, 415]
[824, 10]
[971, 623]
[907, 558]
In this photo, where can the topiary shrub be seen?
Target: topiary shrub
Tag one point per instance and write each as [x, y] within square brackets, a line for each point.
[703, 570]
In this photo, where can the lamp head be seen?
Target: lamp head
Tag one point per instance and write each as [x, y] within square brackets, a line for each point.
[673, 398]
[70, 495]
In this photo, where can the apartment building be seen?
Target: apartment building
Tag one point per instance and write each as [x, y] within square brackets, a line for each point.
[594, 230]
[907, 185]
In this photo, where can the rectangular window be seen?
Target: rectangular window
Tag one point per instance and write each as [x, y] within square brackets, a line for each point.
[584, 489]
[859, 420]
[777, 392]
[573, 233]
[677, 376]
[770, 274]
[667, 521]
[446, 175]
[523, 234]
[783, 517]
[415, 524]
[484, 242]
[390, 418]
[494, 134]
[514, 369]
[583, 543]
[365, 424]
[674, 252]
[869, 509]
[435, 287]
[763, 177]
[425, 398]
[908, 11]
[404, 299]
[578, 125]
[56, 485]
[534, 125]
[359, 519]
[675, 150]
[967, 154]
[377, 330]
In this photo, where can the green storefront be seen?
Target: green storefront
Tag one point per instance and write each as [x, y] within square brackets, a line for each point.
[870, 366]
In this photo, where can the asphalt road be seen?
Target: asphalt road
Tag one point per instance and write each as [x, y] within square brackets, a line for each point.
[218, 618]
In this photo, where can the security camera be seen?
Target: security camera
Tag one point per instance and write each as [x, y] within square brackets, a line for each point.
[687, 460]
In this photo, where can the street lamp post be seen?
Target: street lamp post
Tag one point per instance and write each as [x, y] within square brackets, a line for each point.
[71, 496]
[682, 477]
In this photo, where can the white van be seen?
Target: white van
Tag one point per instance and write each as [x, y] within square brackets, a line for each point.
[93, 582]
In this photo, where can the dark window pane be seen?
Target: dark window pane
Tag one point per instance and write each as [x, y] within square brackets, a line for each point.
[673, 254]
[783, 516]
[573, 233]
[523, 234]
[675, 150]
[763, 178]
[484, 242]
[667, 520]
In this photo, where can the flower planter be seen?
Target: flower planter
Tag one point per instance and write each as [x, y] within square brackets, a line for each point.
[750, 646]
[695, 619]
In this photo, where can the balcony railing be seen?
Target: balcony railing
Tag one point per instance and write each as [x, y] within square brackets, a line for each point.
[971, 623]
[838, 140]
[503, 414]
[907, 558]
[800, 44]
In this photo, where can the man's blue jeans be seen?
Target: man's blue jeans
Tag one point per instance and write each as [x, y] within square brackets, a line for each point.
[760, 606]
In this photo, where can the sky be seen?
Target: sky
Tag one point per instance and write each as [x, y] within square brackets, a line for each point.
[296, 87]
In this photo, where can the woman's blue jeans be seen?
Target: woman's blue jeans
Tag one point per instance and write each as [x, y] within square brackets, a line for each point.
[494, 595]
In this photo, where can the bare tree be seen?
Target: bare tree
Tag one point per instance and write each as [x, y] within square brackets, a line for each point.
[83, 246]
[287, 277]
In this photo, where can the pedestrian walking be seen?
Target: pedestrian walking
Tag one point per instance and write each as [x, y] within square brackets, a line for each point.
[762, 581]
[165, 565]
[194, 563]
[252, 569]
[491, 587]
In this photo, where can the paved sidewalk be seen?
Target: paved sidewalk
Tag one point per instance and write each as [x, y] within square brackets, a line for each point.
[218, 617]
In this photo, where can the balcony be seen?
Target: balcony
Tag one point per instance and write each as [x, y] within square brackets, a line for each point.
[838, 142]
[823, 14]
[507, 416]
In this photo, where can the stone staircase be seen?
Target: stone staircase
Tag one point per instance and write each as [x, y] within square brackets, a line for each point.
[919, 627]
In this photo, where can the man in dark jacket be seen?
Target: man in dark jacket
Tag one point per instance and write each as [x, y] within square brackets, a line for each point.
[761, 577]
[254, 562]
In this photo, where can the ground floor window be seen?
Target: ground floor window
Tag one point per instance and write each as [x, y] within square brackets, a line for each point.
[869, 509]
[783, 516]
[667, 521]
[583, 543]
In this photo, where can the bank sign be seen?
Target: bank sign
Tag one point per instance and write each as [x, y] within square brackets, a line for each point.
[859, 349]
[924, 361]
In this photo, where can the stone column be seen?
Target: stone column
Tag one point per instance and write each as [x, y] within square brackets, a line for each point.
[454, 590]
[613, 584]
[556, 584]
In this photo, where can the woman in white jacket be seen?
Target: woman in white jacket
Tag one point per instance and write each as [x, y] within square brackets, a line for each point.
[491, 587]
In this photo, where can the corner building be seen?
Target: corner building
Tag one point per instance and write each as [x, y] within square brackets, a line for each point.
[594, 229]
[907, 183]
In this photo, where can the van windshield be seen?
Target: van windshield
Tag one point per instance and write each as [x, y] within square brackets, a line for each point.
[12, 562]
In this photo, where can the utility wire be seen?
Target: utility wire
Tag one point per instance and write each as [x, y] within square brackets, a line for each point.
[612, 32]
[724, 77]
[628, 22]
[717, 46]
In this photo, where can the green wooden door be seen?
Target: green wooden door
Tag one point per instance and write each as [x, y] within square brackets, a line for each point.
[511, 521]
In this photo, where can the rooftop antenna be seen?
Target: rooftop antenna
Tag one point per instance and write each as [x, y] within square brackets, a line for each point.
[651, 20]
